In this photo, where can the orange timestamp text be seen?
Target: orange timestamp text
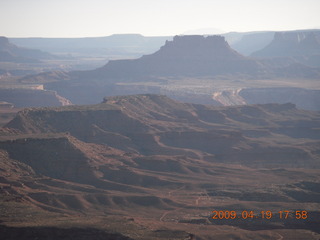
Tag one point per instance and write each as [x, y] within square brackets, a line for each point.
[283, 214]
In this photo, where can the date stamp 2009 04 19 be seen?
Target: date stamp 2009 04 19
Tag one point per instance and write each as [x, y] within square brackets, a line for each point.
[283, 214]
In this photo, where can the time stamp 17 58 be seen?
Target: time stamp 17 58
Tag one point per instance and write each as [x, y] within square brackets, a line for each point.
[283, 214]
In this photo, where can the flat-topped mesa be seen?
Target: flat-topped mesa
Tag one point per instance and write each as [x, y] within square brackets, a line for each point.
[185, 56]
[197, 46]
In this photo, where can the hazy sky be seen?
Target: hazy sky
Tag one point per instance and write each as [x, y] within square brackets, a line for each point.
[85, 18]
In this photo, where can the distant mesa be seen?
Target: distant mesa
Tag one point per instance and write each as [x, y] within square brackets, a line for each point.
[292, 44]
[12, 53]
[122, 45]
[185, 57]
[191, 55]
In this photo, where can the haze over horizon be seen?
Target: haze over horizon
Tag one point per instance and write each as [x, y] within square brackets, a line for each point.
[84, 18]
